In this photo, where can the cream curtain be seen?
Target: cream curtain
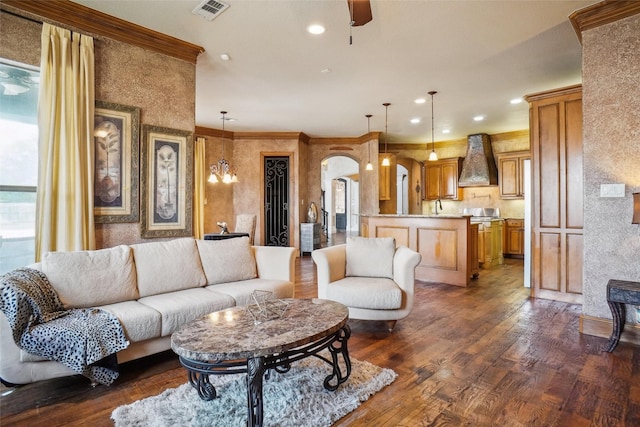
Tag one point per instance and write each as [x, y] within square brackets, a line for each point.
[199, 189]
[64, 219]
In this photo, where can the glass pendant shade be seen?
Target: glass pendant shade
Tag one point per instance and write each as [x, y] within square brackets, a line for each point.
[433, 156]
[385, 162]
[369, 167]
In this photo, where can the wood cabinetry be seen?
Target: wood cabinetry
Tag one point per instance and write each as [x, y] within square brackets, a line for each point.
[447, 244]
[441, 179]
[557, 170]
[490, 243]
[510, 174]
[513, 237]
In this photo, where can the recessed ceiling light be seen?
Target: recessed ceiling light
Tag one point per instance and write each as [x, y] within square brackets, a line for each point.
[325, 70]
[516, 100]
[315, 29]
[225, 56]
[415, 120]
[478, 118]
[420, 101]
[446, 130]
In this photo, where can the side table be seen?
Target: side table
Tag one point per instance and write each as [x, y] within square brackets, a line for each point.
[619, 293]
[218, 236]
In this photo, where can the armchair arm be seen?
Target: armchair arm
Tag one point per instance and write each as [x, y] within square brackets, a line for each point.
[331, 265]
[405, 262]
[276, 262]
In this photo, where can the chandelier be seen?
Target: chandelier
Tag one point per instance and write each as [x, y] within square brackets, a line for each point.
[222, 170]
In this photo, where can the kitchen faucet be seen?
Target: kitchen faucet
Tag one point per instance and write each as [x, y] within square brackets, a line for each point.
[436, 203]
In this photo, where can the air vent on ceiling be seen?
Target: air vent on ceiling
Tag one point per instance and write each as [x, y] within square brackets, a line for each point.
[210, 9]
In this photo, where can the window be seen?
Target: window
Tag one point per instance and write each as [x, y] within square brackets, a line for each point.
[19, 86]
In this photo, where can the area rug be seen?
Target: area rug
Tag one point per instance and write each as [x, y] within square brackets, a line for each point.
[295, 398]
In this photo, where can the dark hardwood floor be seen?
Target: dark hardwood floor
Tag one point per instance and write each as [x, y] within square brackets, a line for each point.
[486, 355]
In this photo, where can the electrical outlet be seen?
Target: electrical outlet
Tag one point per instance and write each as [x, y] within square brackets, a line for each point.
[611, 190]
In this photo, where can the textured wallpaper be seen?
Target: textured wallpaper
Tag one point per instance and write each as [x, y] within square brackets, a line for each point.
[611, 107]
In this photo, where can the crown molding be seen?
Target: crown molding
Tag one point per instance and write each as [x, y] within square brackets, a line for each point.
[81, 18]
[602, 13]
[553, 92]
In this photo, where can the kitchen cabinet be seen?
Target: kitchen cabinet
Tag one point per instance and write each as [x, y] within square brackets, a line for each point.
[558, 189]
[441, 179]
[490, 243]
[514, 237]
[510, 174]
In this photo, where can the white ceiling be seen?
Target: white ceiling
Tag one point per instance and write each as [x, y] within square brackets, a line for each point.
[477, 54]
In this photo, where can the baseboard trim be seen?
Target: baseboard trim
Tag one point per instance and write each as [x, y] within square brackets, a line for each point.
[600, 327]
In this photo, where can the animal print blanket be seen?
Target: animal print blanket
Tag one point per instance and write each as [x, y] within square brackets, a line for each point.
[85, 340]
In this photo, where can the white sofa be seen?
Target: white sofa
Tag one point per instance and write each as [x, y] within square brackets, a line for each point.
[153, 288]
[371, 276]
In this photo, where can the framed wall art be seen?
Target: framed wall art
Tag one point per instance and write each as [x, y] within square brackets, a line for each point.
[116, 161]
[167, 181]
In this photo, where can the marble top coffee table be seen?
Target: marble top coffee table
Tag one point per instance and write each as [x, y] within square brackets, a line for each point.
[230, 342]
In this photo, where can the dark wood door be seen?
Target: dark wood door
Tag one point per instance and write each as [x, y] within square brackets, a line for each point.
[276, 201]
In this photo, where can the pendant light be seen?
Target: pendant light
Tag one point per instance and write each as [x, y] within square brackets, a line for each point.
[432, 156]
[385, 161]
[369, 165]
[222, 170]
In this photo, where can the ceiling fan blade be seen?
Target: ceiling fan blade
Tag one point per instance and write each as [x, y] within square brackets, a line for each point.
[360, 11]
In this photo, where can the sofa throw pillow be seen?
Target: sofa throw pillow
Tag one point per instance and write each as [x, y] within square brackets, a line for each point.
[168, 266]
[228, 260]
[370, 256]
[92, 278]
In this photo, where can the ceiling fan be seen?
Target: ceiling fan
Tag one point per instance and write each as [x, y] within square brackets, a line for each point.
[360, 13]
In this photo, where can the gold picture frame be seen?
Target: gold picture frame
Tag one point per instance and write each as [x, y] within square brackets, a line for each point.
[116, 163]
[166, 182]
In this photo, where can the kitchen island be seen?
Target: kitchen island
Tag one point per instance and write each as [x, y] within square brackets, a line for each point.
[448, 243]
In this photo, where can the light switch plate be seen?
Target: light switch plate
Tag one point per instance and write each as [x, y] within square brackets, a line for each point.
[611, 190]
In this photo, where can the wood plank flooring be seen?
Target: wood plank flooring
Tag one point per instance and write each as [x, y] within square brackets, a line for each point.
[487, 355]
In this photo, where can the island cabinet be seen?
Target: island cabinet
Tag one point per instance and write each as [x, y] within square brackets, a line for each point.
[441, 179]
[511, 174]
[448, 244]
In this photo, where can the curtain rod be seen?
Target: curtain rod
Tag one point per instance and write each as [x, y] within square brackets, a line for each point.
[20, 16]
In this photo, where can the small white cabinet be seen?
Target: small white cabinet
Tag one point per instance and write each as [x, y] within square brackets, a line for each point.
[309, 237]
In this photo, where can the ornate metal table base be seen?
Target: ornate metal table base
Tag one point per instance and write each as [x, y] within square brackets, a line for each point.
[256, 367]
[619, 293]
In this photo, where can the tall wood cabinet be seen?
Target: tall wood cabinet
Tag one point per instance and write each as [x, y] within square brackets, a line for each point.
[557, 221]
[441, 179]
[511, 174]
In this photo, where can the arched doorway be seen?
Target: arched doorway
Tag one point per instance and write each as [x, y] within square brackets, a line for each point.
[340, 185]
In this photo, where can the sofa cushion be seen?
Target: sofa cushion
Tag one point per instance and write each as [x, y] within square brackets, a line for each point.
[92, 278]
[178, 308]
[168, 266]
[241, 291]
[140, 322]
[375, 293]
[370, 257]
[227, 260]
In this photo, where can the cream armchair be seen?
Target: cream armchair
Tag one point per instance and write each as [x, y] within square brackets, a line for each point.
[370, 276]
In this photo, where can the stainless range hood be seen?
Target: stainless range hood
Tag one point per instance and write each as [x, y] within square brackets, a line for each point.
[478, 167]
